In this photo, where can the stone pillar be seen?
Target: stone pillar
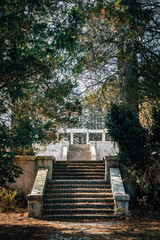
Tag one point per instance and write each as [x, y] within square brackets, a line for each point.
[57, 135]
[71, 137]
[110, 162]
[104, 136]
[87, 137]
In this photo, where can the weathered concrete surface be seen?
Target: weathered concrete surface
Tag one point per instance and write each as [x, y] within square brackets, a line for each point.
[46, 161]
[104, 149]
[24, 183]
[53, 149]
[30, 165]
[93, 151]
[121, 199]
[110, 162]
[65, 150]
[79, 152]
[35, 199]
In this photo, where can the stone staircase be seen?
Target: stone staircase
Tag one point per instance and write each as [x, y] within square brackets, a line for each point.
[78, 191]
[80, 152]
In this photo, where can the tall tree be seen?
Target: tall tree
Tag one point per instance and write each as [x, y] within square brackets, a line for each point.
[36, 91]
[35, 55]
[120, 39]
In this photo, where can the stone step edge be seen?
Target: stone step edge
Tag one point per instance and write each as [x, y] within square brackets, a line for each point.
[80, 185]
[78, 173]
[92, 162]
[79, 188]
[80, 216]
[73, 180]
[76, 211]
[80, 204]
[79, 195]
[78, 169]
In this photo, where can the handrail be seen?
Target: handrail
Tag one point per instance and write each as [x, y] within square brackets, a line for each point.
[82, 130]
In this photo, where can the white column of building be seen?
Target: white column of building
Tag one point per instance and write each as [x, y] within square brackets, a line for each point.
[71, 137]
[104, 136]
[87, 137]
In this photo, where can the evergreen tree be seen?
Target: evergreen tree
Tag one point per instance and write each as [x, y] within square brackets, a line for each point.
[36, 85]
[120, 41]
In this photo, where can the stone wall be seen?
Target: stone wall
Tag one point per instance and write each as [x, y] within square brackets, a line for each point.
[53, 149]
[104, 149]
[30, 165]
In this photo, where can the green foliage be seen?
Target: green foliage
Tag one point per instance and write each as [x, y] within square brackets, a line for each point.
[8, 170]
[34, 65]
[155, 130]
[125, 129]
[120, 38]
[68, 33]
[7, 200]
[136, 146]
[36, 89]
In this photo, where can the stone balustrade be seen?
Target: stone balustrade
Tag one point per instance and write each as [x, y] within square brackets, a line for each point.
[35, 199]
[83, 130]
[121, 199]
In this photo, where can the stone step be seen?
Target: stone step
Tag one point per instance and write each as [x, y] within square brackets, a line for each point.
[78, 195]
[66, 169]
[78, 200]
[78, 211]
[87, 174]
[79, 158]
[78, 177]
[77, 168]
[78, 190]
[71, 172]
[79, 146]
[83, 190]
[82, 156]
[91, 162]
[76, 165]
[83, 181]
[81, 152]
[78, 216]
[109, 205]
[76, 186]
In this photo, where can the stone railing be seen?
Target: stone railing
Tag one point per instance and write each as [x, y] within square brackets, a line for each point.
[121, 199]
[111, 161]
[35, 199]
[87, 131]
[112, 174]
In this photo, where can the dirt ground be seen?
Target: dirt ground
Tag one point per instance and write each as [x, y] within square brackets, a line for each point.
[17, 226]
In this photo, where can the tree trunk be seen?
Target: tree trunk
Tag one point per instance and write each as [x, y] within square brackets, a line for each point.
[127, 62]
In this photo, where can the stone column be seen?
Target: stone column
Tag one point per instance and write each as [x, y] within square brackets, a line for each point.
[104, 136]
[87, 137]
[71, 137]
